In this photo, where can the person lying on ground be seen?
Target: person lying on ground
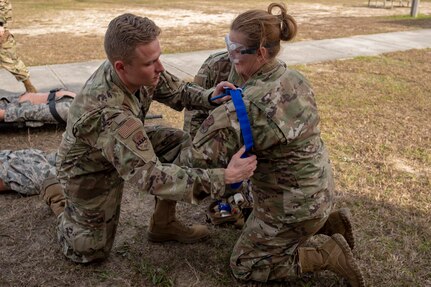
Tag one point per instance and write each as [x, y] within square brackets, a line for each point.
[37, 109]
[24, 171]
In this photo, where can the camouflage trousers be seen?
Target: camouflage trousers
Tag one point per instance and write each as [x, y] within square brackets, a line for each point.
[34, 115]
[25, 170]
[87, 227]
[9, 59]
[268, 251]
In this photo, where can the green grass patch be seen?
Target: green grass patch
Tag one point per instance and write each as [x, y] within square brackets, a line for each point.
[158, 276]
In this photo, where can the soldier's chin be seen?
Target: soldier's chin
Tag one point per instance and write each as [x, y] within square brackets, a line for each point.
[156, 80]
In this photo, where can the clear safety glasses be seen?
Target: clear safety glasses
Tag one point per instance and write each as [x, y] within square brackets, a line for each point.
[236, 48]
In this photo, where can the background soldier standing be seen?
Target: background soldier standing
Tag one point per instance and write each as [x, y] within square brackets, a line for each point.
[8, 56]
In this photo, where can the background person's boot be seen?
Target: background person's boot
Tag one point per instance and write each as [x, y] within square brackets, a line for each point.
[52, 194]
[339, 222]
[29, 86]
[334, 255]
[165, 227]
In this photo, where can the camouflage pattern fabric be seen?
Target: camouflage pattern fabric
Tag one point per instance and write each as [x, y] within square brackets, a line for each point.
[293, 182]
[266, 252]
[5, 12]
[9, 59]
[214, 70]
[106, 143]
[36, 115]
[25, 170]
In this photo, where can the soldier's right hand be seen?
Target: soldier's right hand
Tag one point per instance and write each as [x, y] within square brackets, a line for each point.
[239, 168]
[1, 31]
[219, 92]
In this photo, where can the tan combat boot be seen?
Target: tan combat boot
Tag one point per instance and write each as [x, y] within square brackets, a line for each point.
[52, 194]
[29, 86]
[165, 227]
[334, 255]
[339, 222]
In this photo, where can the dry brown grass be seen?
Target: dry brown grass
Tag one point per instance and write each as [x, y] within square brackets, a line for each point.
[65, 47]
[375, 121]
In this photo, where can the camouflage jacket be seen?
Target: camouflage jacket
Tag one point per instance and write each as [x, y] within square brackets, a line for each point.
[5, 12]
[214, 70]
[105, 141]
[293, 180]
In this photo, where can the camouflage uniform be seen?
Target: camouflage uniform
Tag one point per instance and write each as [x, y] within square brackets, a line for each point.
[25, 170]
[106, 143]
[214, 70]
[34, 115]
[292, 185]
[8, 56]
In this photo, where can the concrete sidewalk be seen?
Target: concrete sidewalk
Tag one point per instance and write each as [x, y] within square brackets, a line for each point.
[185, 65]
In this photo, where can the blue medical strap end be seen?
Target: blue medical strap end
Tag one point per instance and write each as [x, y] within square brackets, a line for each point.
[244, 124]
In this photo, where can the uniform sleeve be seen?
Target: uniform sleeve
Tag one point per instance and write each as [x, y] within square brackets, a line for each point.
[219, 136]
[125, 144]
[178, 94]
[216, 141]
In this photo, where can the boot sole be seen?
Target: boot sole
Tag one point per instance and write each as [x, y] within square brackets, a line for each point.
[348, 235]
[154, 237]
[342, 243]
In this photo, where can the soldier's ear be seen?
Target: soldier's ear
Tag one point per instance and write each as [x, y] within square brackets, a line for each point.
[262, 53]
[119, 66]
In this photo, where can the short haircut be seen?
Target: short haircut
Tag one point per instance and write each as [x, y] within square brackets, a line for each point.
[125, 33]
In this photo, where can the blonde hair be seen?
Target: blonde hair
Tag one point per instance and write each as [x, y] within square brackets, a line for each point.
[265, 29]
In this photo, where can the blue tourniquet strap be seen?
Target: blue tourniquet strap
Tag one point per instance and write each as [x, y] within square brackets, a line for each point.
[244, 124]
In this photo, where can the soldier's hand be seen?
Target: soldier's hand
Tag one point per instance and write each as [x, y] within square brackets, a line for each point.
[1, 31]
[239, 168]
[217, 96]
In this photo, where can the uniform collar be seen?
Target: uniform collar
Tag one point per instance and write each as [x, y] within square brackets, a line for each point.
[263, 72]
[133, 101]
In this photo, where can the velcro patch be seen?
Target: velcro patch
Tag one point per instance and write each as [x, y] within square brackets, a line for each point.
[128, 128]
[208, 122]
[120, 118]
[139, 139]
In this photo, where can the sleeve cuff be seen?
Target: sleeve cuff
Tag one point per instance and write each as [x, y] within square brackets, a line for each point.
[218, 187]
[208, 93]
